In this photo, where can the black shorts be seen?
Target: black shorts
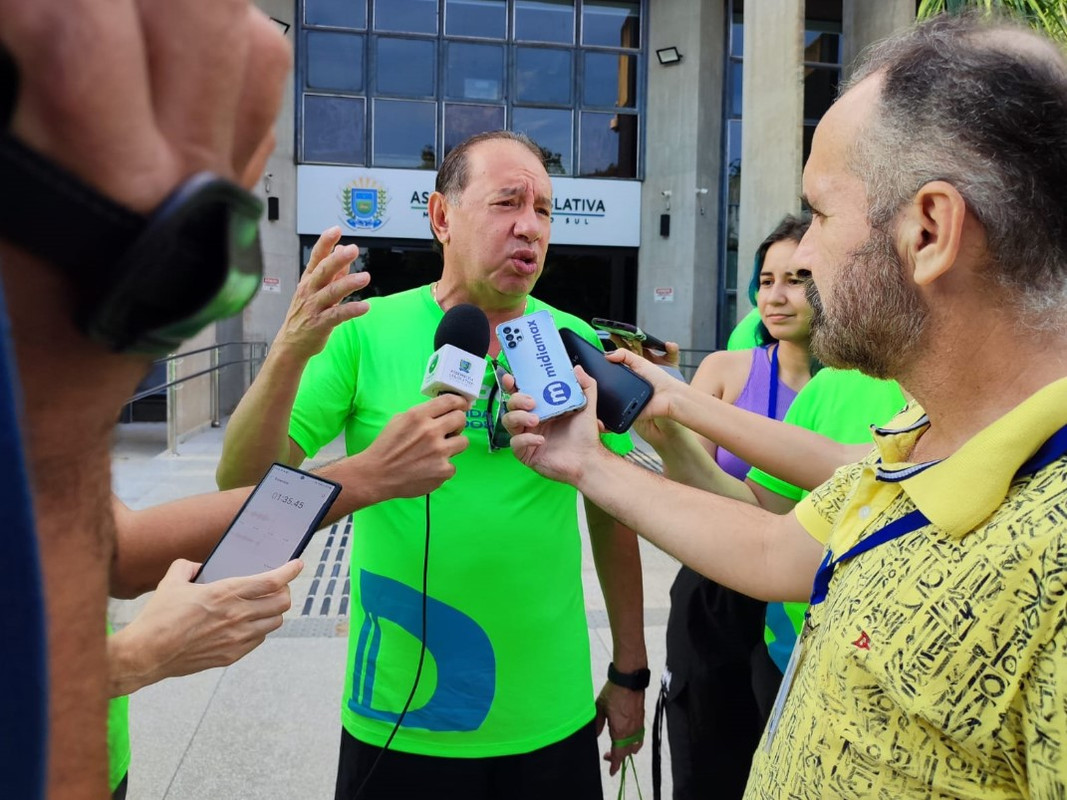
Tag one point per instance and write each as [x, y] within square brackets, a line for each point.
[566, 770]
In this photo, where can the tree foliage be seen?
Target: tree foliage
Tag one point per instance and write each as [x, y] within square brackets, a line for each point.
[1049, 16]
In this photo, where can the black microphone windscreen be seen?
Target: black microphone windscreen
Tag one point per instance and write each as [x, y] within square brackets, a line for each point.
[464, 326]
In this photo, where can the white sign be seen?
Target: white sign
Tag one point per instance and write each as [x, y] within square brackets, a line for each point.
[369, 203]
[664, 294]
[272, 285]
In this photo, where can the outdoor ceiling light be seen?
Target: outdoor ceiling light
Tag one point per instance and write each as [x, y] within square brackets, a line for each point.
[668, 55]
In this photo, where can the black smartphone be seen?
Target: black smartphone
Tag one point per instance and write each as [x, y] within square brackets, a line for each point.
[621, 392]
[273, 526]
[627, 331]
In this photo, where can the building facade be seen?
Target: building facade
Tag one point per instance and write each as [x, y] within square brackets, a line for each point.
[647, 111]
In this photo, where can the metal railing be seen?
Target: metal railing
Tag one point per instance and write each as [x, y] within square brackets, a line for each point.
[256, 352]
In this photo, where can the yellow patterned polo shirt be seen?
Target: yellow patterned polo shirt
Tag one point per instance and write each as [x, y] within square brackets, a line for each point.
[937, 665]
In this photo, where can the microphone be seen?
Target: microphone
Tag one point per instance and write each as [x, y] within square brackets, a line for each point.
[458, 363]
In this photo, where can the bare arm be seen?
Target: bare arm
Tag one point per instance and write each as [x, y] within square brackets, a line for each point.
[796, 455]
[756, 552]
[687, 460]
[412, 456]
[618, 566]
[105, 94]
[188, 627]
[258, 431]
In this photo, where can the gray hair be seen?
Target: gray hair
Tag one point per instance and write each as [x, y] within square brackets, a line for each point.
[982, 104]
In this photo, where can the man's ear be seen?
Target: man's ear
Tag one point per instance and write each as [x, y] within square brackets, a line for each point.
[438, 208]
[930, 232]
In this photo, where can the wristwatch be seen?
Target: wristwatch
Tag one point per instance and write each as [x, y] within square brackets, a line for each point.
[636, 681]
[142, 284]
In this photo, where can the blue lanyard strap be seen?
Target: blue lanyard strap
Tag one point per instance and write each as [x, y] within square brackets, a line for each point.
[899, 527]
[772, 397]
[1053, 448]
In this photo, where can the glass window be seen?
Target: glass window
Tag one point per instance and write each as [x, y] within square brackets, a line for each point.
[462, 122]
[334, 61]
[487, 19]
[543, 76]
[736, 78]
[809, 134]
[404, 134]
[611, 23]
[334, 129]
[610, 80]
[737, 37]
[820, 89]
[608, 145]
[474, 71]
[822, 47]
[406, 67]
[336, 13]
[406, 16]
[544, 21]
[551, 129]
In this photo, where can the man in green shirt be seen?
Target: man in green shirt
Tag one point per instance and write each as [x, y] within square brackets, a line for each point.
[504, 705]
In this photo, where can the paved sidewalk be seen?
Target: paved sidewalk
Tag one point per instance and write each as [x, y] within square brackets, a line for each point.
[268, 727]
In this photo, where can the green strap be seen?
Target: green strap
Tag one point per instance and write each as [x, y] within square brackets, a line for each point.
[637, 738]
[629, 761]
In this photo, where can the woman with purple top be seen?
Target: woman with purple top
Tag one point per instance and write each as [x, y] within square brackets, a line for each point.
[713, 633]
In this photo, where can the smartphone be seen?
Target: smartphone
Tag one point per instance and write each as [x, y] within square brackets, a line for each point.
[535, 355]
[273, 526]
[621, 392]
[625, 330]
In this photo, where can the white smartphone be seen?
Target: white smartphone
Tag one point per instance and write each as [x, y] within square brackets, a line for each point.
[273, 526]
[536, 356]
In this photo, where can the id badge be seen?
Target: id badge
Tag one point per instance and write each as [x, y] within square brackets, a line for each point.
[783, 691]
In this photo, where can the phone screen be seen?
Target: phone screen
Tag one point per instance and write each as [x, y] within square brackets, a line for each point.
[273, 526]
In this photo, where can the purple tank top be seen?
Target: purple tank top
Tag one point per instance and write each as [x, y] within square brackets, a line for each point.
[756, 396]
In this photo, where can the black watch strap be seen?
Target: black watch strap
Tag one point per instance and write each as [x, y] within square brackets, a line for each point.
[84, 232]
[142, 284]
[637, 680]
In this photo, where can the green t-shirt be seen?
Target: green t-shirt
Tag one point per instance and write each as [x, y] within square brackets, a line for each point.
[118, 737]
[508, 664]
[841, 405]
[743, 336]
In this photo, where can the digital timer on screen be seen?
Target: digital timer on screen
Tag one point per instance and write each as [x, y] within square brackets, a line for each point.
[272, 525]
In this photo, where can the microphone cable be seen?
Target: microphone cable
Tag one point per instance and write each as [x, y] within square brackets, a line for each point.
[418, 669]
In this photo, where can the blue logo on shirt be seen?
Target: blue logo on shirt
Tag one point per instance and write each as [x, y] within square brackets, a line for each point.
[461, 650]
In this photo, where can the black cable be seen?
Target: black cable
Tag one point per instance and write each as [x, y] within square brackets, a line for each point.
[422, 658]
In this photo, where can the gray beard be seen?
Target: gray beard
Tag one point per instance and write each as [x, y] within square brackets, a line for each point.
[876, 318]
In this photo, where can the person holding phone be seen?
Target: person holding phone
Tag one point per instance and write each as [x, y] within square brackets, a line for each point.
[99, 107]
[188, 627]
[932, 657]
[713, 693]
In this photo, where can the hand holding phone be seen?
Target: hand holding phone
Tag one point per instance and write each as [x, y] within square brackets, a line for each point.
[624, 330]
[273, 526]
[621, 392]
[539, 362]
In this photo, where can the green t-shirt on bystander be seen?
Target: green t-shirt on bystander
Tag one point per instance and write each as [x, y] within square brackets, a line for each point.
[841, 405]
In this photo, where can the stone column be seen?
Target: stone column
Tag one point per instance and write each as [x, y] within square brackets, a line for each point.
[864, 22]
[683, 153]
[772, 137]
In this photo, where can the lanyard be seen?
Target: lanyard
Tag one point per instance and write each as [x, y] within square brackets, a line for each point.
[772, 398]
[1053, 448]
